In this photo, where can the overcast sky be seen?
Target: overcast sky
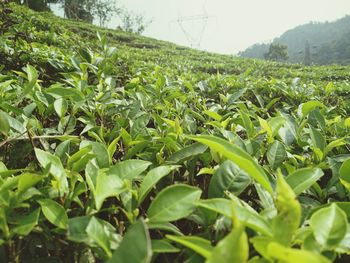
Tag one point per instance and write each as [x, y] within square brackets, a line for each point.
[234, 24]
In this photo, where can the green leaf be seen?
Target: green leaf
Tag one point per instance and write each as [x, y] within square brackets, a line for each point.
[139, 125]
[26, 223]
[96, 231]
[27, 180]
[276, 124]
[163, 246]
[3, 168]
[85, 53]
[344, 174]
[80, 164]
[347, 122]
[58, 91]
[107, 185]
[4, 123]
[9, 183]
[16, 124]
[315, 118]
[330, 88]
[291, 255]
[199, 245]
[228, 177]
[39, 95]
[173, 203]
[276, 154]
[266, 128]
[334, 144]
[266, 200]
[54, 213]
[344, 245]
[329, 226]
[61, 107]
[129, 169]
[78, 155]
[7, 173]
[243, 213]
[307, 107]
[260, 244]
[317, 139]
[152, 178]
[288, 218]
[62, 150]
[247, 123]
[101, 153]
[135, 246]
[165, 227]
[187, 153]
[91, 173]
[241, 158]
[304, 178]
[112, 147]
[32, 76]
[345, 206]
[288, 132]
[213, 115]
[56, 168]
[136, 149]
[233, 248]
[77, 229]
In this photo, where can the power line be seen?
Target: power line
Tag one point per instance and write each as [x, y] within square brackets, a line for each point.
[194, 40]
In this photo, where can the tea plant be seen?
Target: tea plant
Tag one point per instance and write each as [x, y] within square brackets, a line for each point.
[119, 148]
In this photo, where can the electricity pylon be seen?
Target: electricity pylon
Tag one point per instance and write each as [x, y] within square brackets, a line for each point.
[194, 40]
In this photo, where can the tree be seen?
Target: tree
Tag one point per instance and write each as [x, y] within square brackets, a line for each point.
[103, 11]
[89, 10]
[37, 5]
[133, 23]
[86, 10]
[277, 52]
[78, 9]
[255, 51]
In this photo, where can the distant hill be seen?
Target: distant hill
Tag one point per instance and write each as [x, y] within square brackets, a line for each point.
[327, 42]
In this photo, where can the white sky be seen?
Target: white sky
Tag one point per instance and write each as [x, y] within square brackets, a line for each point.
[236, 24]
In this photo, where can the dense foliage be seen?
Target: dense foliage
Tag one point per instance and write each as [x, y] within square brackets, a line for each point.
[276, 52]
[119, 148]
[322, 43]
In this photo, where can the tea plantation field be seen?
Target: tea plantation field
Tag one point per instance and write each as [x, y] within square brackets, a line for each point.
[121, 148]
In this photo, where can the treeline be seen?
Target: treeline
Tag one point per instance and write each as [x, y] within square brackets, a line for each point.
[312, 43]
[93, 11]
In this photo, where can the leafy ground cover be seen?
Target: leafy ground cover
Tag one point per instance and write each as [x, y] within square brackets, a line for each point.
[120, 148]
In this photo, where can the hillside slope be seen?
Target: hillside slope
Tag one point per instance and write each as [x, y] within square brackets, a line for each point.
[119, 148]
[328, 43]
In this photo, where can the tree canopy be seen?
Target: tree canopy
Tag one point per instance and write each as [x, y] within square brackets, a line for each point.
[312, 43]
[277, 52]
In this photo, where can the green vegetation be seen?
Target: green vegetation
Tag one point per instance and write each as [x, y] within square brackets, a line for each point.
[120, 148]
[317, 43]
[276, 52]
[93, 11]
